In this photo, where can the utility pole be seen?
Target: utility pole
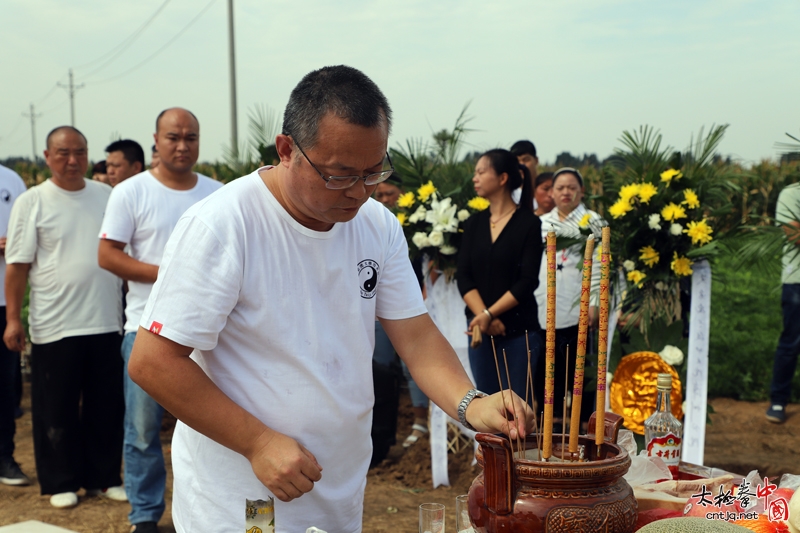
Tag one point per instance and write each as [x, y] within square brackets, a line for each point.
[33, 116]
[71, 89]
[232, 65]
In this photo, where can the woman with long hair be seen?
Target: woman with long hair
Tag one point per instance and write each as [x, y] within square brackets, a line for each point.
[498, 270]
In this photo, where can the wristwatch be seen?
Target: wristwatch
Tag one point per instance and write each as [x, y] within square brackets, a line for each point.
[462, 407]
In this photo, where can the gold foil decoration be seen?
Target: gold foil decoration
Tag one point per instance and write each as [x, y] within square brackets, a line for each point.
[633, 389]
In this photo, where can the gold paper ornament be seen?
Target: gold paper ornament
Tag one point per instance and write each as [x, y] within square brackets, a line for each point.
[633, 389]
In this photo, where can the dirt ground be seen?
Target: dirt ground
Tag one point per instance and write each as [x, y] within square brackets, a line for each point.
[739, 440]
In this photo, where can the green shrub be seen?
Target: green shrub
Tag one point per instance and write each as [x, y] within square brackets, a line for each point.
[746, 321]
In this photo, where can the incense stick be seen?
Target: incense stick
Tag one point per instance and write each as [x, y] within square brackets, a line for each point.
[580, 353]
[600, 416]
[477, 339]
[511, 393]
[564, 407]
[527, 384]
[500, 382]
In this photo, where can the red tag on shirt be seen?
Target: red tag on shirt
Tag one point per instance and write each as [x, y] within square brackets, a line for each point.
[155, 327]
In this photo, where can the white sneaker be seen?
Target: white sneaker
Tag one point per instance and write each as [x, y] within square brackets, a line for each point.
[112, 493]
[64, 500]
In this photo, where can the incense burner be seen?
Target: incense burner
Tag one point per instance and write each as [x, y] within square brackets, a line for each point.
[528, 496]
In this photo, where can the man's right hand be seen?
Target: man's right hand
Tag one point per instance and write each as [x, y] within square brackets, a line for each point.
[14, 336]
[284, 466]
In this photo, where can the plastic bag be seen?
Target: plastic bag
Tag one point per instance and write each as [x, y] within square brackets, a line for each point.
[789, 481]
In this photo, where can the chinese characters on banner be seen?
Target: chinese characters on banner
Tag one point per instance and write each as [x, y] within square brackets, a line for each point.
[694, 424]
[743, 502]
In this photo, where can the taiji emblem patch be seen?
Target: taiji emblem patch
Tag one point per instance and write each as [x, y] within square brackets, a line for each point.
[5, 195]
[368, 271]
[155, 327]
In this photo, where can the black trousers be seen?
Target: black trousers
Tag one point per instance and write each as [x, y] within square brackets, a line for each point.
[9, 369]
[77, 406]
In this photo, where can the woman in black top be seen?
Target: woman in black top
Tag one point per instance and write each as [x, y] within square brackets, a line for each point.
[498, 270]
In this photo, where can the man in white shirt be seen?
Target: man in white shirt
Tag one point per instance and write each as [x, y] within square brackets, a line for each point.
[11, 186]
[76, 376]
[259, 332]
[142, 213]
[125, 159]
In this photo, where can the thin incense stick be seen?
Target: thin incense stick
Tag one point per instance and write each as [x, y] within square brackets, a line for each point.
[511, 393]
[527, 384]
[605, 259]
[564, 406]
[580, 353]
[550, 347]
[500, 382]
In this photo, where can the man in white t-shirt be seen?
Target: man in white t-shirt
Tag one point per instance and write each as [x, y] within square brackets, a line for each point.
[76, 375]
[258, 334]
[11, 186]
[142, 213]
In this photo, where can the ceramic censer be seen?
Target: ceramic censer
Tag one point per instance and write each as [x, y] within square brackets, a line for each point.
[517, 495]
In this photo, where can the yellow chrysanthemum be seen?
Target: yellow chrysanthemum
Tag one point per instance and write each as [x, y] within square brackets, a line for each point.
[669, 175]
[406, 200]
[700, 232]
[649, 256]
[647, 191]
[629, 192]
[636, 276]
[402, 218]
[424, 192]
[691, 199]
[673, 212]
[682, 266]
[584, 222]
[478, 203]
[619, 208]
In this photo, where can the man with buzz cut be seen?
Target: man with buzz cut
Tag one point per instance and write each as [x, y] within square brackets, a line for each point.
[76, 375]
[141, 214]
[259, 332]
[125, 159]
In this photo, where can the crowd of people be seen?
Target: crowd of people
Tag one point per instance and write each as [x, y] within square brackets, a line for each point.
[261, 314]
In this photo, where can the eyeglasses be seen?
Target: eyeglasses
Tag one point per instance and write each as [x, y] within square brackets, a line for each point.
[344, 182]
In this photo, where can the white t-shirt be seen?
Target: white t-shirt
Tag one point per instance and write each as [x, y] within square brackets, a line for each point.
[11, 186]
[142, 212]
[282, 318]
[55, 230]
[569, 264]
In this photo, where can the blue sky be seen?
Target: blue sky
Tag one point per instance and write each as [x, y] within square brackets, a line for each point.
[568, 75]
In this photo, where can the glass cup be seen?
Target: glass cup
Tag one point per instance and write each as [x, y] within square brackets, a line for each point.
[431, 518]
[463, 524]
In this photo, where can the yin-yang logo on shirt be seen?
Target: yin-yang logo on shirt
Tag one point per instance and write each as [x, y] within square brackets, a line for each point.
[5, 195]
[368, 271]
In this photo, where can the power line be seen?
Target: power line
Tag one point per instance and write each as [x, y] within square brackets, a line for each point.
[46, 96]
[71, 90]
[33, 116]
[51, 109]
[164, 47]
[13, 130]
[122, 46]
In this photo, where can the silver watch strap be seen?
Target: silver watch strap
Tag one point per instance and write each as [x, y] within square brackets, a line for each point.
[462, 407]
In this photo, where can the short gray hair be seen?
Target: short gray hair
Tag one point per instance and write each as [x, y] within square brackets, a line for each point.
[344, 91]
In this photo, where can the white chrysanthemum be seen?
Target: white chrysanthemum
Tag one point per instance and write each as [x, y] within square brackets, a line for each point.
[436, 238]
[654, 221]
[463, 215]
[629, 265]
[448, 250]
[675, 229]
[671, 355]
[442, 216]
[420, 240]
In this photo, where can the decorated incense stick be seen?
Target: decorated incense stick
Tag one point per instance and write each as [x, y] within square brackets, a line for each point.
[550, 347]
[511, 393]
[499, 379]
[533, 394]
[605, 259]
[580, 353]
[527, 385]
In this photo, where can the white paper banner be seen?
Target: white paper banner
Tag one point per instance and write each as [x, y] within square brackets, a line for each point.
[696, 393]
[446, 309]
